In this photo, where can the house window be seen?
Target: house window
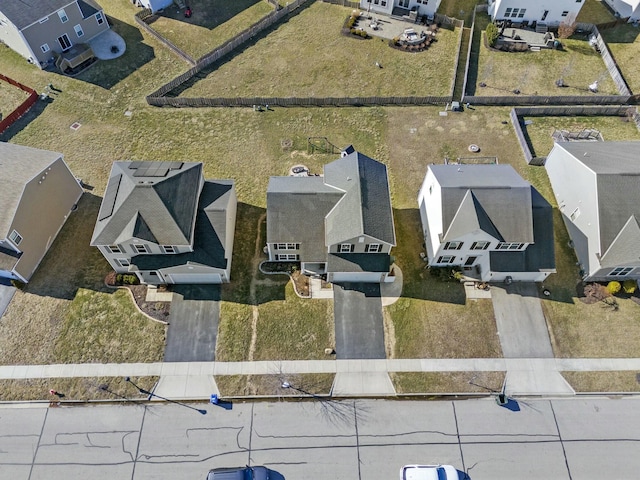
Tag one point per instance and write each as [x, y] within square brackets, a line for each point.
[99, 18]
[446, 259]
[168, 249]
[521, 14]
[123, 262]
[514, 14]
[507, 12]
[509, 246]
[480, 245]
[575, 214]
[44, 48]
[288, 257]
[453, 245]
[565, 13]
[42, 20]
[63, 16]
[383, 3]
[64, 42]
[114, 249]
[15, 237]
[78, 30]
[345, 248]
[287, 246]
[620, 271]
[140, 248]
[373, 248]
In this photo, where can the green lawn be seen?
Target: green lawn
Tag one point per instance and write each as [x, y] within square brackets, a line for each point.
[213, 22]
[624, 43]
[307, 56]
[10, 98]
[535, 73]
[595, 11]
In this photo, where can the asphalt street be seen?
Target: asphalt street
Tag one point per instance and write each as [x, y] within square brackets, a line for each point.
[564, 439]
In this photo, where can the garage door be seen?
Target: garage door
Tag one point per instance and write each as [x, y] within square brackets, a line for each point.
[193, 278]
[367, 277]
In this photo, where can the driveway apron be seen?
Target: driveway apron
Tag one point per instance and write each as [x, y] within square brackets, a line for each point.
[193, 324]
[521, 323]
[358, 321]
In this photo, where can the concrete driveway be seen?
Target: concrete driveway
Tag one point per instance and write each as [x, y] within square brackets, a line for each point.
[193, 324]
[358, 320]
[6, 294]
[521, 323]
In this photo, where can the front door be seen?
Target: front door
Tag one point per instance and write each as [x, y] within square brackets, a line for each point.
[64, 42]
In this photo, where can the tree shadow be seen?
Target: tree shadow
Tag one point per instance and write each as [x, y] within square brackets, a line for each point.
[107, 73]
[205, 13]
[71, 263]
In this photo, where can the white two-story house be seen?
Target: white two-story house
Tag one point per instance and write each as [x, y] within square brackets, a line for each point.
[550, 12]
[487, 221]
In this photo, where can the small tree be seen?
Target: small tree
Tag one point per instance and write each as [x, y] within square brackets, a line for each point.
[492, 33]
[568, 27]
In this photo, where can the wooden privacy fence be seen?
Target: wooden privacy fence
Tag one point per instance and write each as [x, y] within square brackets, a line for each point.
[458, 48]
[22, 108]
[295, 101]
[344, 3]
[515, 100]
[141, 18]
[517, 113]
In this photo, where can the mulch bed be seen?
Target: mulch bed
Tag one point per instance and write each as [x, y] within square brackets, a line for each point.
[301, 283]
[158, 310]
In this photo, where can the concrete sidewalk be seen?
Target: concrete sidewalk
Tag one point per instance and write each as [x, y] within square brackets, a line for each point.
[354, 378]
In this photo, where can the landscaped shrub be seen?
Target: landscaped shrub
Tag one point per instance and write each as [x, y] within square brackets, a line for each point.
[130, 279]
[119, 279]
[614, 287]
[445, 274]
[629, 286]
[492, 33]
[18, 284]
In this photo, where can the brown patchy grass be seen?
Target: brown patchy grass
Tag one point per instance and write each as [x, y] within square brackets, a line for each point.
[446, 382]
[535, 73]
[10, 98]
[616, 381]
[212, 23]
[271, 385]
[74, 389]
[624, 43]
[307, 56]
[595, 11]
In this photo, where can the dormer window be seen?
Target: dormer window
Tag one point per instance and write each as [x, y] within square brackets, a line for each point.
[140, 248]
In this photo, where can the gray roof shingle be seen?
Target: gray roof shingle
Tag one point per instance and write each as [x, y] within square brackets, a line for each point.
[157, 209]
[23, 13]
[493, 198]
[18, 165]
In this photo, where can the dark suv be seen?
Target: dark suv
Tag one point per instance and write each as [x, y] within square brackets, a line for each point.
[239, 473]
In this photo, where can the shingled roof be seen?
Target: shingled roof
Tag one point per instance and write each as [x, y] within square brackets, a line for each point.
[153, 201]
[23, 13]
[491, 198]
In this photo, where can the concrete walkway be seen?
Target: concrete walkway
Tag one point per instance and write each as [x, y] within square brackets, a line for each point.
[354, 378]
[524, 335]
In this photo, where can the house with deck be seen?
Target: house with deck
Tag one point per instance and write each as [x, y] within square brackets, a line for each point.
[165, 223]
[420, 8]
[486, 221]
[597, 188]
[339, 225]
[38, 192]
[39, 29]
[546, 12]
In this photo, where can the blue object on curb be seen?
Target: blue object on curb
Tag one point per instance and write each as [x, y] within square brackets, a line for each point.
[214, 399]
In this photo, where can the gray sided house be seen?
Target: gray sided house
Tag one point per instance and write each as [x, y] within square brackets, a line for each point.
[37, 194]
[488, 221]
[167, 224]
[339, 225]
[37, 28]
[597, 187]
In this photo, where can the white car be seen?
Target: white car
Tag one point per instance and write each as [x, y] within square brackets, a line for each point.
[428, 472]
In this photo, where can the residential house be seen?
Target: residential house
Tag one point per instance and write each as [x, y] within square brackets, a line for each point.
[37, 28]
[597, 187]
[487, 221]
[37, 194]
[626, 9]
[154, 5]
[165, 223]
[339, 225]
[421, 7]
[550, 12]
